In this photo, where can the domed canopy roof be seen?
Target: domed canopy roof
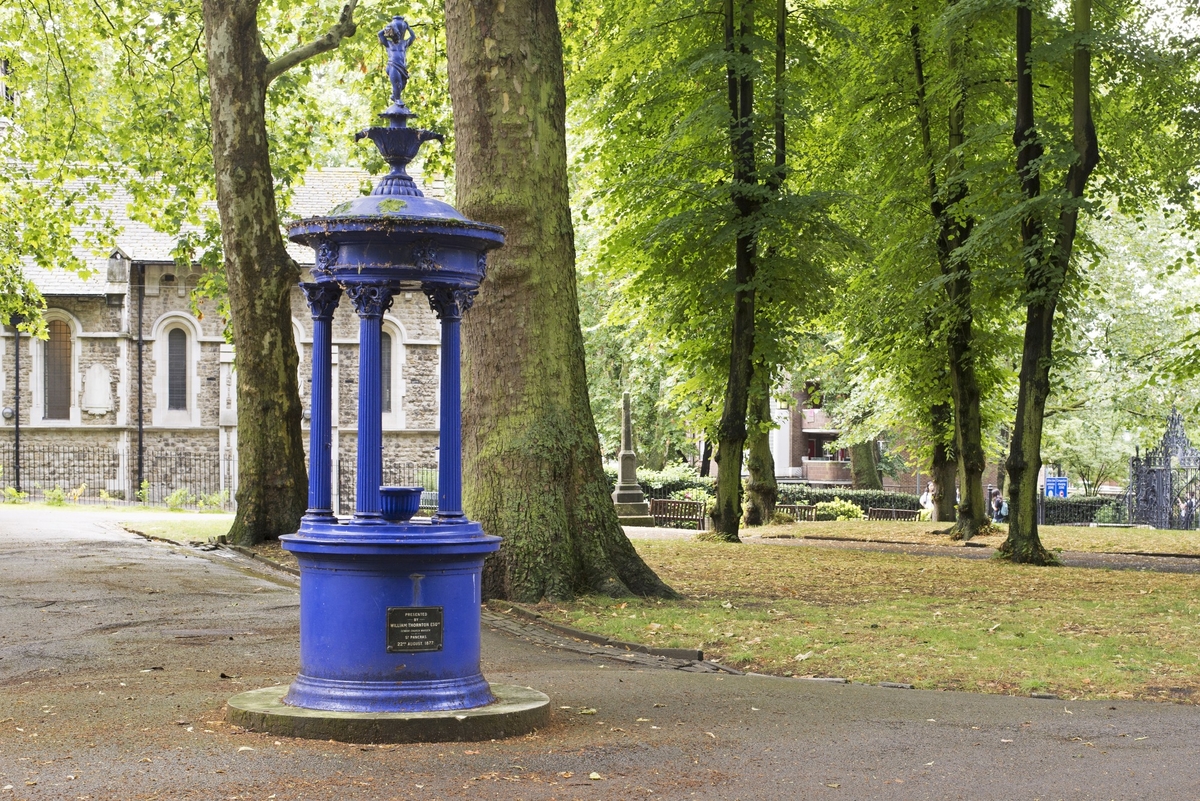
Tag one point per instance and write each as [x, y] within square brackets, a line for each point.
[396, 234]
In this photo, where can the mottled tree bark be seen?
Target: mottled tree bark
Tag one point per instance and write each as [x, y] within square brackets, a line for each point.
[272, 488]
[1047, 257]
[864, 466]
[762, 492]
[944, 467]
[533, 472]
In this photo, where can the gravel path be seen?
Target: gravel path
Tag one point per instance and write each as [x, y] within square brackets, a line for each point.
[116, 656]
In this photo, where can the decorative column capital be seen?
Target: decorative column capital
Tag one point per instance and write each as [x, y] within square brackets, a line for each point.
[370, 300]
[322, 299]
[449, 302]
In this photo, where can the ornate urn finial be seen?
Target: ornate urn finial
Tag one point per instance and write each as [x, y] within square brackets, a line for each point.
[397, 143]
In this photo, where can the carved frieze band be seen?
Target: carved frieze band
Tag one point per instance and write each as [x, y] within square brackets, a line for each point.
[327, 256]
[425, 256]
[449, 302]
[322, 299]
[370, 300]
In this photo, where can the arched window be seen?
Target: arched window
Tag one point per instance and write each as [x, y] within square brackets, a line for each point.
[175, 359]
[57, 352]
[177, 369]
[385, 358]
[391, 374]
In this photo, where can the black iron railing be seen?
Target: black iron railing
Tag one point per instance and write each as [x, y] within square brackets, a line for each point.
[108, 475]
[396, 473]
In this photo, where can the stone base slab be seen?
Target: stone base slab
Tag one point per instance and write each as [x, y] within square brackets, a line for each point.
[640, 509]
[639, 521]
[517, 711]
[626, 494]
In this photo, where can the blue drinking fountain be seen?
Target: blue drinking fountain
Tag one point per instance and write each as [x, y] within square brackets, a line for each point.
[390, 606]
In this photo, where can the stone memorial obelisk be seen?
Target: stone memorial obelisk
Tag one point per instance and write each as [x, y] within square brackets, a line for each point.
[632, 509]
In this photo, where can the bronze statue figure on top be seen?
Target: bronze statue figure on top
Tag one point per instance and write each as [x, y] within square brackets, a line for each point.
[396, 37]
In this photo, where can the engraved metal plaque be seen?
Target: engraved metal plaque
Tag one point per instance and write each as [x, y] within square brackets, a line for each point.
[412, 629]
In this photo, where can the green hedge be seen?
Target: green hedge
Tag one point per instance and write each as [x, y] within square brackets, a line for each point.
[1082, 509]
[678, 478]
[668, 482]
[863, 499]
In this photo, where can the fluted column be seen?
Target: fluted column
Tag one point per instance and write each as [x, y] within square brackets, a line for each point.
[370, 301]
[322, 302]
[450, 303]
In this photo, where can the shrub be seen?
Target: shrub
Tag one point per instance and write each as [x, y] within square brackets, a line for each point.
[666, 483]
[12, 496]
[863, 499]
[143, 493]
[838, 509]
[77, 493]
[179, 499]
[56, 497]
[781, 518]
[214, 501]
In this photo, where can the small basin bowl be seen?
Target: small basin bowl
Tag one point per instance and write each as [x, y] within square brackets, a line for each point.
[398, 504]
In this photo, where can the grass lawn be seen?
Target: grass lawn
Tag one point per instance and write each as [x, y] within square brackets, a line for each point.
[933, 622]
[186, 528]
[1067, 538]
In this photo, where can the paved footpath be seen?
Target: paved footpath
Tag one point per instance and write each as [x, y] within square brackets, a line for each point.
[117, 654]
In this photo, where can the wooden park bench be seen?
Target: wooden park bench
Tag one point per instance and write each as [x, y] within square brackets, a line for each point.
[798, 510]
[892, 514]
[677, 514]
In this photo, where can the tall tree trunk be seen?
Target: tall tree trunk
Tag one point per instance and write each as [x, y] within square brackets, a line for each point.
[762, 492]
[864, 465]
[533, 471]
[731, 431]
[272, 491]
[944, 467]
[1047, 264]
[761, 489]
[953, 231]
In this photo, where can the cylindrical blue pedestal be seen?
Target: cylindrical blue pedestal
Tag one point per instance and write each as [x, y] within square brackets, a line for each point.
[389, 616]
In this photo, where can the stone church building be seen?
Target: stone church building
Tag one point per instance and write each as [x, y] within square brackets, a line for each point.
[137, 372]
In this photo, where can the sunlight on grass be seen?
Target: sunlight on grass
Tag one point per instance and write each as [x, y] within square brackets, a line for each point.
[936, 623]
[187, 528]
[1067, 538]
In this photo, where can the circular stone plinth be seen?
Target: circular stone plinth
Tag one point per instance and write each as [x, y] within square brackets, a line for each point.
[518, 710]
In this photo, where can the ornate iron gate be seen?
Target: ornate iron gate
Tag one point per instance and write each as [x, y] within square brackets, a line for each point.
[1165, 483]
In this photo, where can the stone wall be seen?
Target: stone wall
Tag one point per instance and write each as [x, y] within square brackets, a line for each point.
[183, 449]
[422, 382]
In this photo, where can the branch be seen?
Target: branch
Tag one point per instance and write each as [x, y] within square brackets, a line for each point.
[345, 27]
